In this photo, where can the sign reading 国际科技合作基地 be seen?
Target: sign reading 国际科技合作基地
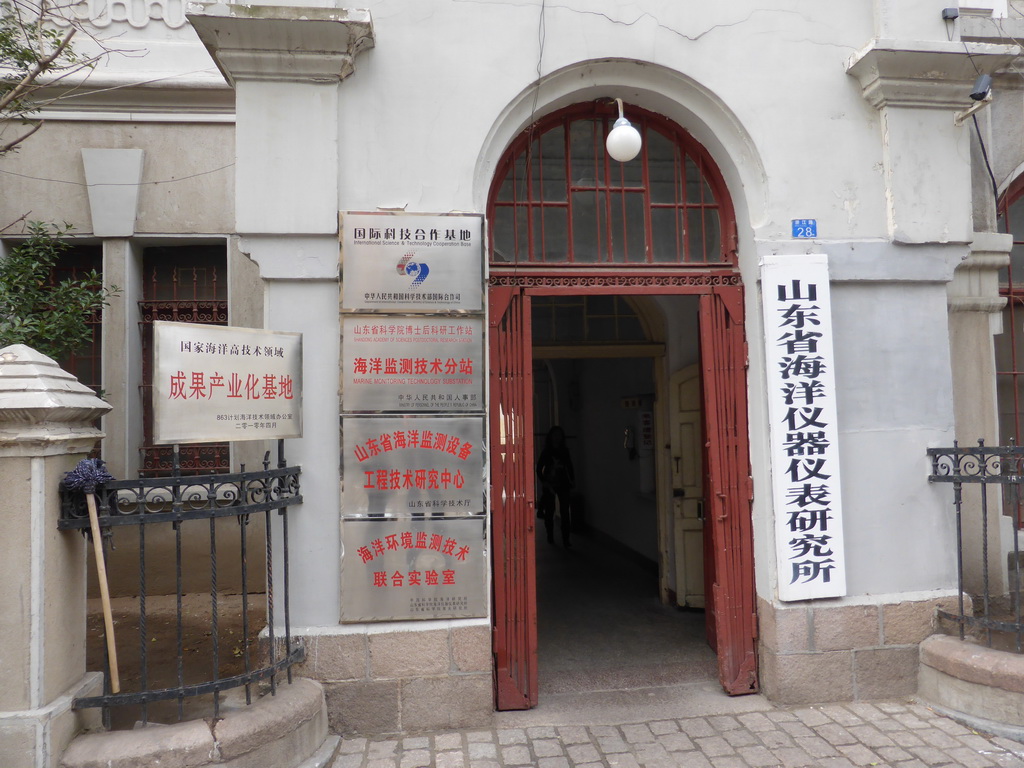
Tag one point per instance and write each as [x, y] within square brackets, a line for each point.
[804, 436]
[398, 262]
[214, 383]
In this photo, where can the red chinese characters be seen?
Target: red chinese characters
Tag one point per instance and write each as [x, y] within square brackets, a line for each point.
[412, 366]
[409, 540]
[429, 578]
[202, 385]
[418, 479]
[402, 439]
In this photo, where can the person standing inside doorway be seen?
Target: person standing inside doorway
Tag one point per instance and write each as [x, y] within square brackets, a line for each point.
[557, 478]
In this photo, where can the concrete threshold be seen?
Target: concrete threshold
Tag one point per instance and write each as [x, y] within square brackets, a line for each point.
[616, 707]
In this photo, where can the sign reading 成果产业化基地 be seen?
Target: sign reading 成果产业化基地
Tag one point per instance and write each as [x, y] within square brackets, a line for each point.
[214, 383]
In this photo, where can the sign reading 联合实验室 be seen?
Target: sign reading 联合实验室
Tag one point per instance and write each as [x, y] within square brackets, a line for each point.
[407, 568]
[398, 262]
[214, 383]
[803, 430]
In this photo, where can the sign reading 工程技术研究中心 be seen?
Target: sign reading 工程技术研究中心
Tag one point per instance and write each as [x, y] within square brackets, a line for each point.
[421, 465]
[399, 262]
[804, 436]
[407, 568]
[213, 383]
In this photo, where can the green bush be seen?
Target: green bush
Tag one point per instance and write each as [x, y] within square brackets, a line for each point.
[50, 317]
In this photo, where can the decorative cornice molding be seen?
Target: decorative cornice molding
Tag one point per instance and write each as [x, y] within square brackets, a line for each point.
[137, 13]
[931, 75]
[975, 283]
[282, 43]
[690, 279]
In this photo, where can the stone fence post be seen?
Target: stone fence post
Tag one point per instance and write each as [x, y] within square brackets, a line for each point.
[46, 419]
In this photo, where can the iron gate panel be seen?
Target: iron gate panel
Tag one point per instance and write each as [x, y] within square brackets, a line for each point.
[723, 360]
[512, 491]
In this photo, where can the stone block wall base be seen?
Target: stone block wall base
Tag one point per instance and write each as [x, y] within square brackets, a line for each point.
[978, 685]
[385, 681]
[36, 738]
[288, 730]
[821, 651]
[410, 706]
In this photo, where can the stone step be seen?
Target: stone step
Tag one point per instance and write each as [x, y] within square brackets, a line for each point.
[288, 730]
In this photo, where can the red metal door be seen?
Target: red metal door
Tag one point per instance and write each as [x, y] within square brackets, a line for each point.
[723, 359]
[512, 503]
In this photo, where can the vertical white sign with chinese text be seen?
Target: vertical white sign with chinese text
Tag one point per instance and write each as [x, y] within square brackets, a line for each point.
[804, 436]
[215, 383]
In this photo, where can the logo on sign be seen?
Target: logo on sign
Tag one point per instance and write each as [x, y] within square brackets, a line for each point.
[418, 271]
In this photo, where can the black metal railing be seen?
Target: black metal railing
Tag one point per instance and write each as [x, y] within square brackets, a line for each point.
[178, 501]
[972, 470]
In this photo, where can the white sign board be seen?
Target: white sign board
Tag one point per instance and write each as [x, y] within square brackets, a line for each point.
[421, 465]
[413, 364]
[804, 436]
[214, 383]
[400, 262]
[403, 568]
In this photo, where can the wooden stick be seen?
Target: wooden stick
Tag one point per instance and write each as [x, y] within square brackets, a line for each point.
[101, 574]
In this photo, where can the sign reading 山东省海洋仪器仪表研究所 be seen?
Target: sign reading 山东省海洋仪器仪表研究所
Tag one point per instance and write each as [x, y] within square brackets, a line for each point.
[214, 383]
[804, 435]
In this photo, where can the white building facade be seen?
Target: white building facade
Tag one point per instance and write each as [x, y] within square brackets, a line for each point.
[820, 139]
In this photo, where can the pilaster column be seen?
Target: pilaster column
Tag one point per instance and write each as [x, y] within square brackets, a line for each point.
[45, 428]
[975, 315]
[286, 65]
[918, 87]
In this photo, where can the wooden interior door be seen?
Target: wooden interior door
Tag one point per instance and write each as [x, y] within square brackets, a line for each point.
[512, 499]
[687, 443]
[724, 361]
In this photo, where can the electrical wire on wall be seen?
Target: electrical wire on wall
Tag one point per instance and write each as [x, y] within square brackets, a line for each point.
[974, 117]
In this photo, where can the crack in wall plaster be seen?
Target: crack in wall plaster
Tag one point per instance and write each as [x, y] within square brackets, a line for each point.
[641, 17]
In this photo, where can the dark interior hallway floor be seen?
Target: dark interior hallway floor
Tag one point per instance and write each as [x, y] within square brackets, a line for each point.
[602, 627]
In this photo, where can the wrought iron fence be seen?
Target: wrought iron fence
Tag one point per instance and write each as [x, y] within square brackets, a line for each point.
[178, 501]
[982, 467]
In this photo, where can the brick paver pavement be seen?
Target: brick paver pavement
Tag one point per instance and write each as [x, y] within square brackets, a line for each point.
[847, 735]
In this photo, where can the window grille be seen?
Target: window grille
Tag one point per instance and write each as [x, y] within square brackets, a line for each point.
[1009, 345]
[560, 200]
[85, 364]
[185, 284]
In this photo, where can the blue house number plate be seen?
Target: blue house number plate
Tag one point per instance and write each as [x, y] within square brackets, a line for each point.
[805, 228]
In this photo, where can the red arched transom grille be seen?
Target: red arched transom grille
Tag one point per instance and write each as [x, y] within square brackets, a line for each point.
[558, 199]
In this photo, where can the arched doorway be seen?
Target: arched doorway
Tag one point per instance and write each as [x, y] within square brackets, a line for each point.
[567, 220]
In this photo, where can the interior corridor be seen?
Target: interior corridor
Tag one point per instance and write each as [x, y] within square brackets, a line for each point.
[601, 626]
